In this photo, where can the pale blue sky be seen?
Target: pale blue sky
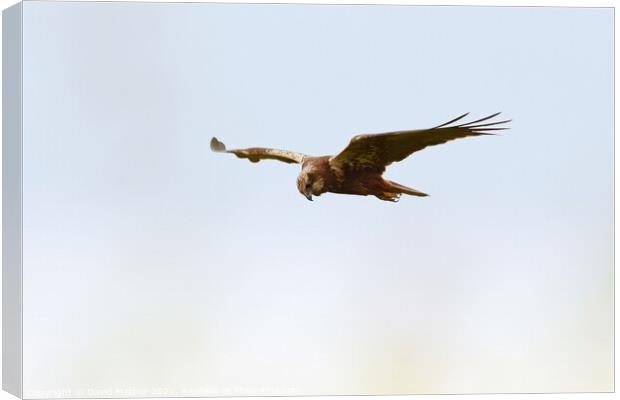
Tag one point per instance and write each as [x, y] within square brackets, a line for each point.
[151, 262]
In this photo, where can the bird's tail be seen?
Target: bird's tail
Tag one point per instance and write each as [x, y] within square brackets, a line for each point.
[406, 190]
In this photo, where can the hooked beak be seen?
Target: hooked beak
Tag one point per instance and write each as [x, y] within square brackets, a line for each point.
[309, 196]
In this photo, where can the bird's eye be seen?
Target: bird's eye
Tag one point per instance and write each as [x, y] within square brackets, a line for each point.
[308, 185]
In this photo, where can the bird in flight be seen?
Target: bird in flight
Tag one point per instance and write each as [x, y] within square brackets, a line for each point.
[358, 169]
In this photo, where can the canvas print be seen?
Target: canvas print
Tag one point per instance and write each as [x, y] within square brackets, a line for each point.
[158, 164]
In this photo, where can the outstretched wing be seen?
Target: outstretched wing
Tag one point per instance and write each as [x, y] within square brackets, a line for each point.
[255, 154]
[376, 151]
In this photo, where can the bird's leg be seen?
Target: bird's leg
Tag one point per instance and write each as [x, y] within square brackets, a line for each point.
[387, 196]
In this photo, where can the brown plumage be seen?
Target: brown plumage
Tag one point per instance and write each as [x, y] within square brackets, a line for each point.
[358, 169]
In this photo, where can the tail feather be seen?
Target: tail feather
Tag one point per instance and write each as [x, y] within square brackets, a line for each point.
[406, 190]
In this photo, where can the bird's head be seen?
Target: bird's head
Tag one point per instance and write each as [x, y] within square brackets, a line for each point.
[309, 185]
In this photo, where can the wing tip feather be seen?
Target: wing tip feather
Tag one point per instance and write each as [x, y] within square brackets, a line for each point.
[478, 125]
[452, 121]
[217, 146]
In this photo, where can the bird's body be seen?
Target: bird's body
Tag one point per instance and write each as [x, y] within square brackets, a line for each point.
[326, 178]
[358, 169]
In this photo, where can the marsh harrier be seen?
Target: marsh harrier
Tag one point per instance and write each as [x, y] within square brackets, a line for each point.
[358, 169]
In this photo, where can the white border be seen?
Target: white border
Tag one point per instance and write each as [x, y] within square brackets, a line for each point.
[553, 3]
